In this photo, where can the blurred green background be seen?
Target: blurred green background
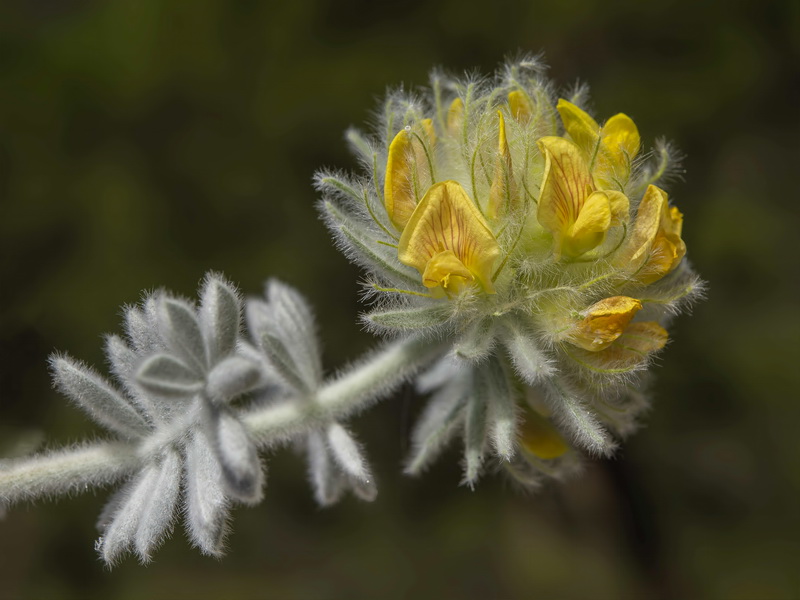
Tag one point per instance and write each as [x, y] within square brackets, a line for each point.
[144, 142]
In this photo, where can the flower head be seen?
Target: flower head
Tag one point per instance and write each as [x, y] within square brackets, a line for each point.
[507, 220]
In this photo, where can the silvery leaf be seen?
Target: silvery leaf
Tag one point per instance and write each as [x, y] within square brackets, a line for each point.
[181, 331]
[294, 324]
[502, 419]
[206, 505]
[165, 375]
[118, 536]
[231, 378]
[530, 363]
[576, 419]
[220, 316]
[106, 405]
[157, 514]
[242, 474]
[124, 365]
[439, 422]
[474, 438]
[347, 453]
[420, 317]
[360, 245]
[476, 342]
[327, 480]
[141, 325]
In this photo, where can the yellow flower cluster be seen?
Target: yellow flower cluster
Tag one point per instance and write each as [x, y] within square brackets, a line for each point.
[506, 214]
[449, 236]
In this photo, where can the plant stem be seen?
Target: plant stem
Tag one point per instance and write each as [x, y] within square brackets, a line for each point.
[74, 470]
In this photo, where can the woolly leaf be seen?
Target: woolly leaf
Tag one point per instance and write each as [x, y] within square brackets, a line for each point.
[220, 316]
[477, 341]
[326, 479]
[179, 327]
[347, 453]
[502, 420]
[575, 419]
[231, 378]
[124, 365]
[293, 322]
[158, 511]
[411, 318]
[360, 244]
[474, 438]
[141, 325]
[360, 145]
[242, 474]
[437, 425]
[443, 371]
[530, 363]
[280, 359]
[103, 403]
[119, 535]
[168, 376]
[206, 504]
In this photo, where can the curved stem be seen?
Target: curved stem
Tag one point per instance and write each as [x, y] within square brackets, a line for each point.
[72, 470]
[66, 471]
[363, 384]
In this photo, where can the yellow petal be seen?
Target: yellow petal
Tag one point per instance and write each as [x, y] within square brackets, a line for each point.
[620, 207]
[408, 173]
[447, 271]
[621, 137]
[668, 248]
[644, 337]
[628, 352]
[654, 247]
[590, 227]
[502, 193]
[636, 249]
[582, 128]
[672, 221]
[446, 219]
[618, 147]
[520, 106]
[399, 195]
[635, 344]
[455, 116]
[566, 184]
[605, 321]
[540, 438]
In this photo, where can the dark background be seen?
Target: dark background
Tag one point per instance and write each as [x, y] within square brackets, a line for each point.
[145, 142]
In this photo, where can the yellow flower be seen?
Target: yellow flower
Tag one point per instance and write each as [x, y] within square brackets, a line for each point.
[608, 149]
[575, 213]
[654, 247]
[604, 322]
[540, 438]
[628, 352]
[448, 241]
[408, 171]
[502, 193]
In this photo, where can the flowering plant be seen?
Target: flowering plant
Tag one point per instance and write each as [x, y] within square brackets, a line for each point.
[522, 261]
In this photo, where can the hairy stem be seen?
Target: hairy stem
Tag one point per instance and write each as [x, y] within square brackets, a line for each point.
[65, 471]
[74, 470]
